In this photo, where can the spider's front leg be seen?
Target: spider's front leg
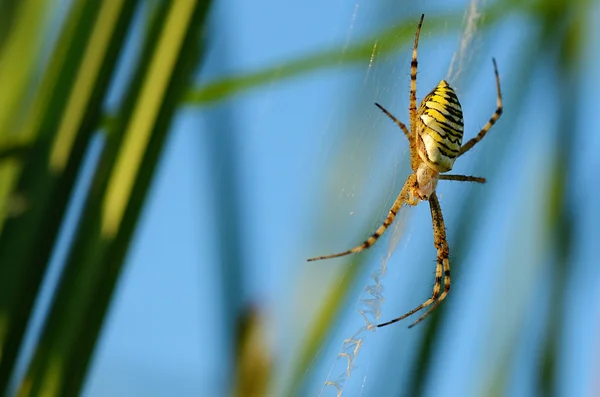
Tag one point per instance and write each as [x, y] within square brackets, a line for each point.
[443, 253]
[442, 269]
[406, 196]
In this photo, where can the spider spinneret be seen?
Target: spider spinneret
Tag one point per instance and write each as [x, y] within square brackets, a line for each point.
[435, 139]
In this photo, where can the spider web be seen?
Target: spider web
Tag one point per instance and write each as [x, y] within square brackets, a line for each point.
[463, 55]
[369, 307]
[371, 299]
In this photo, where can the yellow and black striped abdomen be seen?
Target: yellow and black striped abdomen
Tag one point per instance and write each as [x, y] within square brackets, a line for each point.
[440, 128]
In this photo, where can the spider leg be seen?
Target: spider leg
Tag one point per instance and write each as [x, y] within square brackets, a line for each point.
[405, 197]
[462, 178]
[443, 253]
[412, 108]
[442, 269]
[395, 120]
[467, 146]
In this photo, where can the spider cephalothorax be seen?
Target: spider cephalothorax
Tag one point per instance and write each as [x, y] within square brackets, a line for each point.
[435, 140]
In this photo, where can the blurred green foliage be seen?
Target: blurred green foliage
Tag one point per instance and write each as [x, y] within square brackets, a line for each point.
[49, 115]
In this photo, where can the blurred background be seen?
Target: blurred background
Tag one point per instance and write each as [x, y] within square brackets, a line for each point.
[167, 167]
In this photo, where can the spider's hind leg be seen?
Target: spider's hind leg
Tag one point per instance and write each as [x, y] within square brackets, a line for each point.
[395, 120]
[467, 146]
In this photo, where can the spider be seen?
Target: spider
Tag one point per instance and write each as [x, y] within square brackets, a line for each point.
[435, 139]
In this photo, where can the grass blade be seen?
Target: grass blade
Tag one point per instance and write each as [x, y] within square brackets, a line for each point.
[118, 191]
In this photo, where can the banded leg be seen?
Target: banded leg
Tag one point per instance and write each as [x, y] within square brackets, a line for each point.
[442, 269]
[405, 197]
[412, 108]
[467, 146]
[395, 120]
[462, 178]
[443, 254]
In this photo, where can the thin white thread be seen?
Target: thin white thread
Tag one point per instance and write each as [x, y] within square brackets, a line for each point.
[369, 307]
[350, 29]
[462, 55]
[371, 61]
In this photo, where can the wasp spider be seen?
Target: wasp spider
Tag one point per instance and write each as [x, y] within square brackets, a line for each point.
[435, 139]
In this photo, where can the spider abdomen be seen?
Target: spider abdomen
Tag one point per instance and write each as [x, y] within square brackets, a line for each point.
[440, 128]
